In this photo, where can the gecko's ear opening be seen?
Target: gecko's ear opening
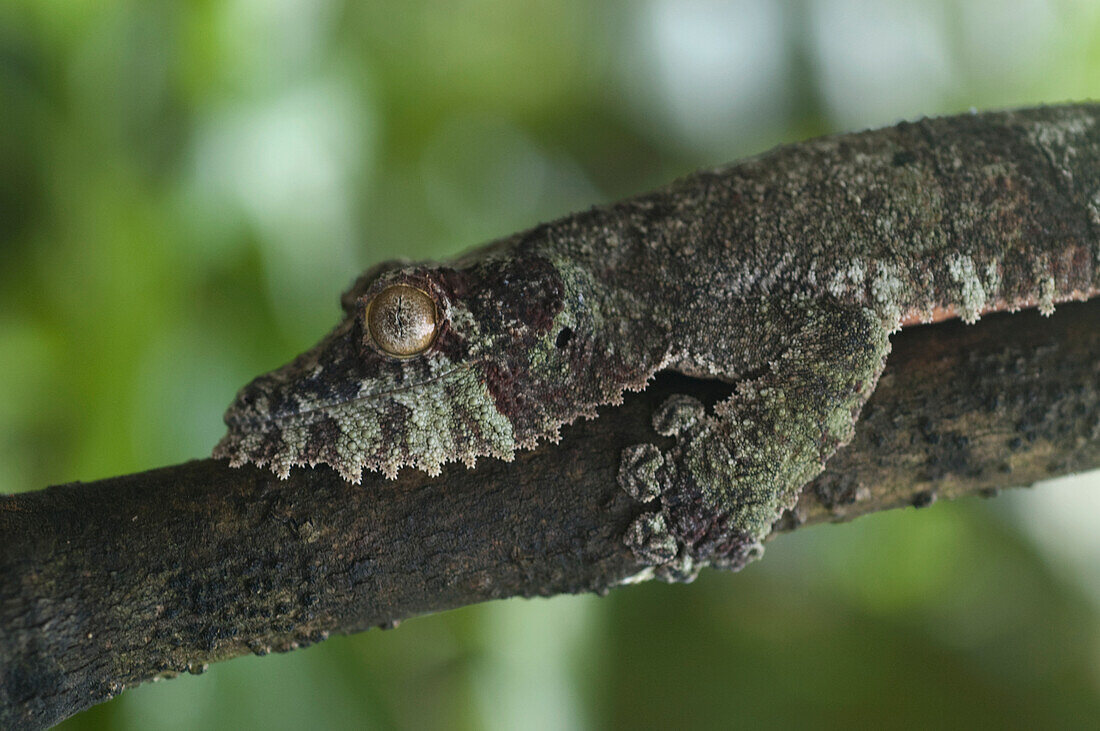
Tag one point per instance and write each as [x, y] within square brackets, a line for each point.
[563, 338]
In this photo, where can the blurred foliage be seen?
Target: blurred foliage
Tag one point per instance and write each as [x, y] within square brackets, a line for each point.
[186, 187]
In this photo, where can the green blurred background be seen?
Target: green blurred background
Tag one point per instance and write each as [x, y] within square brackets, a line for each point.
[186, 188]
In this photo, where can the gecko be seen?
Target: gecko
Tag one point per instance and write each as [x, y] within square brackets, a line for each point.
[783, 275]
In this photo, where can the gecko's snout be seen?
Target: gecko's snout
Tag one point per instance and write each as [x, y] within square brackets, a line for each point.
[250, 407]
[274, 398]
[299, 391]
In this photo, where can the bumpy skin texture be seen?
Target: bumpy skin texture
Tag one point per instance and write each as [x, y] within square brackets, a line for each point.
[794, 310]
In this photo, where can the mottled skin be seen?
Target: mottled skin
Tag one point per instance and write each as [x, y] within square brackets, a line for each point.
[875, 231]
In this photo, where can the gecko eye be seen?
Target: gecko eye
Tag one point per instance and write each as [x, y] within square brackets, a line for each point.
[402, 320]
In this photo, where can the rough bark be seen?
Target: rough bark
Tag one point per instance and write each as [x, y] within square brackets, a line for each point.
[108, 584]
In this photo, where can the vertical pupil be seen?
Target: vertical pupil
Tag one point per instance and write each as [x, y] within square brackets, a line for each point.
[402, 320]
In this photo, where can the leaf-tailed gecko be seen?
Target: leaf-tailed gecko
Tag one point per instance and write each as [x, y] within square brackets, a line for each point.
[783, 275]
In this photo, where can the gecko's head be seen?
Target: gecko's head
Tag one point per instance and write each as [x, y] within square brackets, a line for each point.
[431, 364]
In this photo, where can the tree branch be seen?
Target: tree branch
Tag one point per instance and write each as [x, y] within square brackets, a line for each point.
[109, 584]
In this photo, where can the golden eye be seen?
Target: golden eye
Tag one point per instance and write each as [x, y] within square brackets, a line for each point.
[402, 320]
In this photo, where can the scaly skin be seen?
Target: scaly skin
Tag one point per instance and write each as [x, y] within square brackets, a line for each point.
[783, 275]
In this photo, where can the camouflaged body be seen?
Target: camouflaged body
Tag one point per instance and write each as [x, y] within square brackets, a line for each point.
[942, 217]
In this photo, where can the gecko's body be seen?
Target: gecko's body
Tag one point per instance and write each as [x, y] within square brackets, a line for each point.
[784, 274]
